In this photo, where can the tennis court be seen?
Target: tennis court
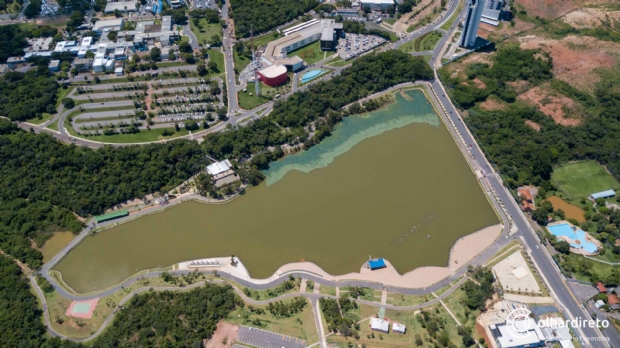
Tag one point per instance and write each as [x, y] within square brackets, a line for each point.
[82, 309]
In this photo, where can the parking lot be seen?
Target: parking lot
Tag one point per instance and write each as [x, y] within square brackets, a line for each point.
[355, 44]
[266, 339]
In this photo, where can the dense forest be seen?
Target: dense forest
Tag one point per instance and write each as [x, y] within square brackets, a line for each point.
[264, 15]
[43, 181]
[163, 319]
[25, 96]
[526, 156]
[367, 75]
[170, 319]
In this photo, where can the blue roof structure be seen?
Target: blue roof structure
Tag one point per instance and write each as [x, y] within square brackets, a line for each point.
[376, 264]
[603, 194]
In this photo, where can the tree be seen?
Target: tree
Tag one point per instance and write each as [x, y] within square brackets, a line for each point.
[201, 69]
[184, 46]
[215, 40]
[117, 13]
[562, 247]
[213, 66]
[68, 103]
[75, 20]
[189, 58]
[112, 35]
[155, 54]
[97, 79]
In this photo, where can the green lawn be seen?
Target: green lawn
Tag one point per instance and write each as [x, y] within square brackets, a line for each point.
[311, 53]
[390, 21]
[426, 42]
[240, 61]
[53, 125]
[169, 64]
[327, 290]
[248, 102]
[339, 62]
[206, 30]
[407, 300]
[218, 58]
[142, 137]
[581, 179]
[44, 118]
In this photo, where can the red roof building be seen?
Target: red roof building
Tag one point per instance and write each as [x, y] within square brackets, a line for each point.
[614, 301]
[274, 75]
[601, 287]
[526, 194]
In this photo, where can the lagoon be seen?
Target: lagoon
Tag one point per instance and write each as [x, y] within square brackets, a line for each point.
[346, 199]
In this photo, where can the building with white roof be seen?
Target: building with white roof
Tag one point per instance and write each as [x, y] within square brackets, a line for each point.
[521, 333]
[175, 3]
[273, 75]
[297, 37]
[87, 41]
[122, 6]
[108, 25]
[378, 4]
[220, 170]
[54, 66]
[380, 325]
[399, 328]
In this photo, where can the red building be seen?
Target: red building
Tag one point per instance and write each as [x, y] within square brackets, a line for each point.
[273, 76]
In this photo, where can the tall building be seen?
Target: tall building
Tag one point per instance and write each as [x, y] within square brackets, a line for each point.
[472, 20]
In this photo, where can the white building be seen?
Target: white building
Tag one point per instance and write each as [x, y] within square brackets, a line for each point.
[399, 328]
[521, 333]
[219, 170]
[165, 53]
[175, 3]
[123, 6]
[378, 4]
[380, 325]
[54, 66]
[109, 65]
[295, 38]
[99, 62]
[108, 25]
[472, 21]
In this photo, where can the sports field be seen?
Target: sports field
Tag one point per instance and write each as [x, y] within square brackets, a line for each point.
[581, 179]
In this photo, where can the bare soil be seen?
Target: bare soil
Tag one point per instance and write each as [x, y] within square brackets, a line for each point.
[223, 331]
[535, 126]
[491, 104]
[547, 9]
[458, 68]
[554, 105]
[576, 58]
[488, 31]
[479, 84]
[593, 18]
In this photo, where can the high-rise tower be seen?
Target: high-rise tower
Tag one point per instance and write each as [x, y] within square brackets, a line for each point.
[472, 20]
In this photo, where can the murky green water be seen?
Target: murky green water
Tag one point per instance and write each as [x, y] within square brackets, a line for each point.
[360, 190]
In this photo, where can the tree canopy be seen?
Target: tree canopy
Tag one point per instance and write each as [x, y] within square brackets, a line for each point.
[27, 95]
[264, 15]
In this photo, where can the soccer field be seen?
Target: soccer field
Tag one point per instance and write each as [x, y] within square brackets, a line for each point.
[582, 179]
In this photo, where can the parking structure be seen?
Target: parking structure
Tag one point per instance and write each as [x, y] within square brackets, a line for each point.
[267, 339]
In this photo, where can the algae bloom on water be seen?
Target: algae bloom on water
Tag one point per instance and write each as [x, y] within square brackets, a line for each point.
[348, 197]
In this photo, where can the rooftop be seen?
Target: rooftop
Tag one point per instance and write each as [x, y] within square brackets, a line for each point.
[379, 324]
[121, 6]
[219, 167]
[115, 24]
[273, 71]
[524, 333]
[603, 194]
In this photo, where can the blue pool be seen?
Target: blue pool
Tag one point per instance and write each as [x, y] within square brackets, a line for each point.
[312, 74]
[577, 235]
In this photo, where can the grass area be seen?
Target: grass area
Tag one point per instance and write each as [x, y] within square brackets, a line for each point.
[446, 26]
[446, 288]
[44, 118]
[262, 41]
[218, 58]
[248, 102]
[205, 30]
[390, 21]
[339, 62]
[311, 53]
[55, 244]
[142, 137]
[53, 125]
[407, 300]
[300, 325]
[581, 179]
[427, 58]
[170, 64]
[270, 293]
[77, 327]
[428, 41]
[392, 340]
[327, 290]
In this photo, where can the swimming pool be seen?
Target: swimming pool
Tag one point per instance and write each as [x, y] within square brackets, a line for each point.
[312, 74]
[576, 235]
